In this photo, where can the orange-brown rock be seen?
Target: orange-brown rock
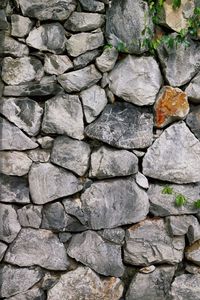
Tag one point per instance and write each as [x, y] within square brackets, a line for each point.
[171, 105]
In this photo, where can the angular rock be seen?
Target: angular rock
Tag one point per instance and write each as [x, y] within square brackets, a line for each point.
[9, 223]
[123, 28]
[81, 21]
[107, 60]
[48, 10]
[106, 204]
[107, 162]
[94, 101]
[16, 280]
[123, 125]
[84, 59]
[47, 37]
[186, 286]
[192, 253]
[14, 163]
[57, 64]
[150, 242]
[174, 156]
[37, 247]
[136, 80]
[162, 204]
[48, 182]
[21, 70]
[45, 142]
[171, 105]
[30, 216]
[193, 121]
[152, 286]
[193, 89]
[92, 5]
[114, 235]
[14, 189]
[101, 256]
[20, 26]
[180, 225]
[80, 43]
[39, 155]
[81, 79]
[63, 115]
[12, 47]
[64, 236]
[33, 294]
[141, 180]
[3, 248]
[192, 269]
[71, 154]
[83, 281]
[23, 112]
[179, 63]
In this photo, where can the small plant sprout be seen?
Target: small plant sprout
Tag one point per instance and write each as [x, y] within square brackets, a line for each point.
[180, 200]
[167, 190]
[197, 203]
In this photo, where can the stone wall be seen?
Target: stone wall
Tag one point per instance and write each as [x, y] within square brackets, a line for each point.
[100, 153]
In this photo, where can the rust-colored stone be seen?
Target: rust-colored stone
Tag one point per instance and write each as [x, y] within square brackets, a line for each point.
[171, 105]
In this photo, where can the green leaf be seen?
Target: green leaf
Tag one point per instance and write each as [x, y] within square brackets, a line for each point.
[176, 4]
[108, 46]
[167, 190]
[197, 203]
[180, 200]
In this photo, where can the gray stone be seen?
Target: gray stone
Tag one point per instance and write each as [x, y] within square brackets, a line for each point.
[48, 182]
[30, 216]
[192, 253]
[101, 256]
[9, 46]
[3, 248]
[186, 286]
[63, 115]
[81, 21]
[14, 189]
[136, 80]
[48, 10]
[9, 224]
[33, 294]
[21, 70]
[92, 5]
[107, 162]
[192, 269]
[179, 63]
[84, 59]
[71, 154]
[3, 20]
[48, 37]
[107, 60]
[139, 153]
[57, 64]
[193, 121]
[76, 81]
[162, 204]
[83, 282]
[107, 204]
[126, 23]
[150, 242]
[45, 142]
[152, 286]
[37, 247]
[94, 101]
[141, 180]
[64, 236]
[23, 112]
[39, 155]
[114, 235]
[73, 207]
[181, 225]
[20, 26]
[16, 280]
[193, 89]
[174, 156]
[80, 43]
[123, 125]
[14, 163]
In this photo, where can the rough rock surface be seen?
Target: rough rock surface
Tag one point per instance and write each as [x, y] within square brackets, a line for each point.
[107, 162]
[30, 216]
[71, 154]
[150, 242]
[186, 286]
[91, 250]
[192, 253]
[20, 26]
[63, 115]
[136, 80]
[3, 248]
[193, 90]
[92, 5]
[107, 60]
[37, 247]
[171, 105]
[193, 121]
[23, 112]
[14, 163]
[174, 156]
[57, 64]
[84, 59]
[48, 182]
[83, 281]
[94, 101]
[81, 21]
[152, 286]
[114, 235]
[81, 79]
[121, 124]
[141, 180]
[39, 155]
[12, 47]
[33, 293]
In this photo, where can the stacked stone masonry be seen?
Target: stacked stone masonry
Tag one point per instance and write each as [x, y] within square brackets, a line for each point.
[96, 145]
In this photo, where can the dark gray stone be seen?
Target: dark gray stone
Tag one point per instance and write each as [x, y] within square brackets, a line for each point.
[3, 248]
[92, 5]
[84, 59]
[30, 216]
[123, 125]
[193, 121]
[3, 20]
[114, 235]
